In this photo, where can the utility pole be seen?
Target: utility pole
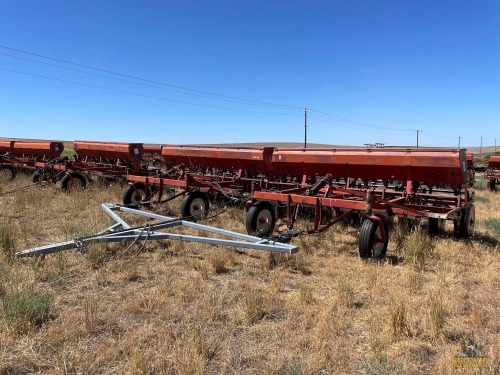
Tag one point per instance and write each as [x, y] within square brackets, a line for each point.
[481, 148]
[495, 145]
[418, 131]
[459, 141]
[305, 126]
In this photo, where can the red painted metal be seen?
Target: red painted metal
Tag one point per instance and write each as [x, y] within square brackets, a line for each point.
[109, 150]
[37, 149]
[431, 184]
[24, 155]
[331, 173]
[429, 166]
[493, 172]
[494, 162]
[152, 149]
[470, 160]
[252, 160]
[6, 146]
[107, 159]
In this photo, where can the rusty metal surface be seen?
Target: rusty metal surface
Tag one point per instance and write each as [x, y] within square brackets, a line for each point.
[152, 149]
[470, 160]
[6, 146]
[109, 150]
[431, 166]
[252, 160]
[37, 149]
[494, 162]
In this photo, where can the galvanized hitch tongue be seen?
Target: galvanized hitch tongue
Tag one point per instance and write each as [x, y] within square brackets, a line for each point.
[122, 231]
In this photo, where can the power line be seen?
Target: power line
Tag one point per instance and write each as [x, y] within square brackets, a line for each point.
[139, 83]
[350, 127]
[361, 123]
[438, 136]
[199, 93]
[145, 96]
[152, 81]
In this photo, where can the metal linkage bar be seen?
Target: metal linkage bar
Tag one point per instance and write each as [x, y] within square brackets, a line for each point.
[152, 232]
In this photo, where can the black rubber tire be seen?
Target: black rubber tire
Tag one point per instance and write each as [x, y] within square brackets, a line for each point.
[135, 194]
[261, 219]
[369, 247]
[70, 181]
[465, 226]
[7, 172]
[492, 184]
[194, 206]
[40, 176]
[435, 225]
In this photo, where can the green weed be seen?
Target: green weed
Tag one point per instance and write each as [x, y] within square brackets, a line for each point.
[494, 226]
[25, 308]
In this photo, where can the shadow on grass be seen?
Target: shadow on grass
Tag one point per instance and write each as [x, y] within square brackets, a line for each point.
[478, 238]
[484, 239]
[394, 260]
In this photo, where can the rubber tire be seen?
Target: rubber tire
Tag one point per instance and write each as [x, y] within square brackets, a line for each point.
[367, 233]
[467, 222]
[187, 209]
[254, 213]
[68, 178]
[35, 178]
[11, 172]
[435, 225]
[492, 184]
[133, 192]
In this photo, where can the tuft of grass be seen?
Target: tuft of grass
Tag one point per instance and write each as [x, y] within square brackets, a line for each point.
[480, 184]
[382, 366]
[90, 307]
[220, 260]
[306, 295]
[437, 315]
[398, 320]
[24, 308]
[345, 292]
[291, 368]
[7, 242]
[252, 302]
[415, 280]
[416, 249]
[375, 343]
[213, 304]
[399, 235]
[274, 260]
[97, 254]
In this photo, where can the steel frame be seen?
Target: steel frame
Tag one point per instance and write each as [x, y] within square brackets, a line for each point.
[22, 155]
[492, 174]
[106, 159]
[122, 231]
[411, 184]
[228, 171]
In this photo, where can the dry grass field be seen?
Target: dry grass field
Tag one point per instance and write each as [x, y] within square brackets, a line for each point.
[180, 308]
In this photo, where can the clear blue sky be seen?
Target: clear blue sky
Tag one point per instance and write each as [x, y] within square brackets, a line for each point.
[388, 67]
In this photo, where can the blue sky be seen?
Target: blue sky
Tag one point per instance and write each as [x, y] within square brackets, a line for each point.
[243, 71]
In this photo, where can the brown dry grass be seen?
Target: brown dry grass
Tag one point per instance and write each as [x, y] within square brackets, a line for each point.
[180, 308]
